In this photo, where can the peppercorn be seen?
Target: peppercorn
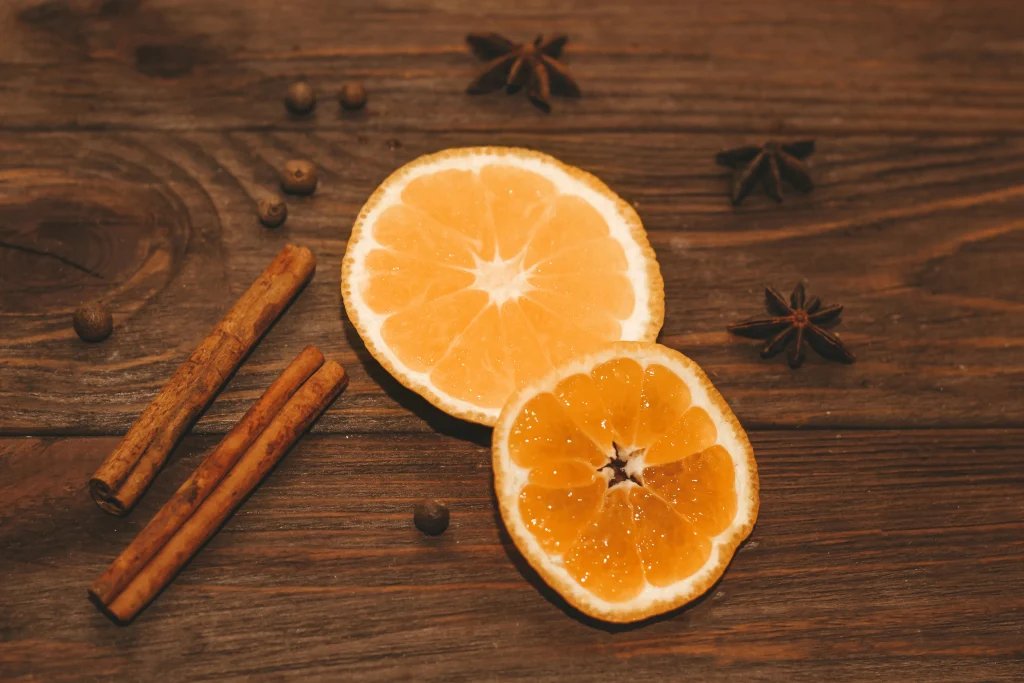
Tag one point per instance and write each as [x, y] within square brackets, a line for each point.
[300, 99]
[298, 177]
[273, 211]
[93, 322]
[353, 96]
[431, 516]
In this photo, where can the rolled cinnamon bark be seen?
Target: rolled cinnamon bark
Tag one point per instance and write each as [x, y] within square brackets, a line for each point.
[284, 430]
[121, 480]
[206, 477]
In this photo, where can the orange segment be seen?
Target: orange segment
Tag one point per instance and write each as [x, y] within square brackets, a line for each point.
[595, 323]
[597, 256]
[421, 335]
[701, 487]
[479, 350]
[571, 222]
[670, 546]
[582, 401]
[472, 273]
[560, 337]
[407, 230]
[555, 516]
[520, 201]
[400, 281]
[604, 559]
[456, 200]
[565, 473]
[607, 293]
[527, 358]
[691, 433]
[619, 383]
[544, 432]
[663, 400]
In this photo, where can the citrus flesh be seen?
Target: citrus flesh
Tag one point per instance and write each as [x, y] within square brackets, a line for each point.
[625, 480]
[473, 272]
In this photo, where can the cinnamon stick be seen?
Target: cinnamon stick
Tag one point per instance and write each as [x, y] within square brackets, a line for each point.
[284, 430]
[121, 480]
[206, 477]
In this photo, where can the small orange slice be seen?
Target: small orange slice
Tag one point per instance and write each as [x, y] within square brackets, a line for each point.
[625, 480]
[473, 272]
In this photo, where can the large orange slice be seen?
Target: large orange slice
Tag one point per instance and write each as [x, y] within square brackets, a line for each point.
[625, 480]
[473, 272]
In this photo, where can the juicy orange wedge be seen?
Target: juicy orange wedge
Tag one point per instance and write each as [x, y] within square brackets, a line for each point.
[473, 272]
[625, 480]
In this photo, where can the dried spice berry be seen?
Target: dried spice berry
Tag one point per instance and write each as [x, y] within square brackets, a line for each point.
[300, 98]
[273, 211]
[93, 322]
[431, 517]
[299, 177]
[796, 321]
[512, 66]
[353, 96]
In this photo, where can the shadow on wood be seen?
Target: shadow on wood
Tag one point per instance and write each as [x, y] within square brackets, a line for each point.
[438, 420]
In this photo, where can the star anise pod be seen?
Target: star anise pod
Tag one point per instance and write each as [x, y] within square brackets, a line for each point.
[797, 320]
[511, 66]
[770, 164]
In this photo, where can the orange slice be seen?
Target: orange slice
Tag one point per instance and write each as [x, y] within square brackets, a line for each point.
[473, 272]
[625, 480]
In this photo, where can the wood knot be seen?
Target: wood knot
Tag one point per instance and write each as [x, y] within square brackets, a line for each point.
[65, 240]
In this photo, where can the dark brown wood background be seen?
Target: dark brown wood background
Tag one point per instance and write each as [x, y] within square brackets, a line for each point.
[135, 137]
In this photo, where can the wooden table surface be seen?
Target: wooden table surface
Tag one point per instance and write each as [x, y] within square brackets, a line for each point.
[135, 136]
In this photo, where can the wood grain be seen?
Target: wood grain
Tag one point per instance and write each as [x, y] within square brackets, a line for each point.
[920, 188]
[875, 66]
[897, 230]
[136, 137]
[875, 554]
